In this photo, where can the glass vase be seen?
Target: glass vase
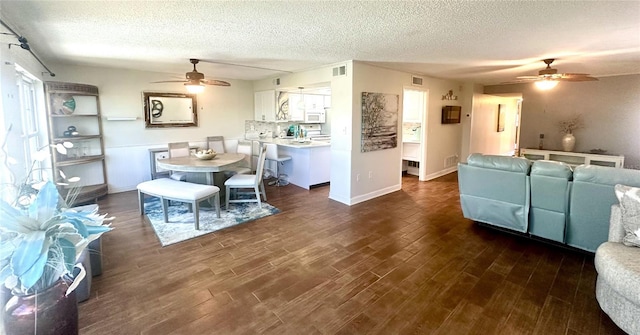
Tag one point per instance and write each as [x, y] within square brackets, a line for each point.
[43, 313]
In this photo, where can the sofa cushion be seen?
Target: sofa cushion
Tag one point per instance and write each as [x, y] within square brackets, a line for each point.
[619, 266]
[629, 198]
[505, 163]
[606, 175]
[552, 169]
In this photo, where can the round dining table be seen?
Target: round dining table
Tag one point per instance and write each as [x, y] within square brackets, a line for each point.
[220, 163]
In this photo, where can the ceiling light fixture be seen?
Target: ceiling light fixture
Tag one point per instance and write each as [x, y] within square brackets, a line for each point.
[546, 84]
[194, 88]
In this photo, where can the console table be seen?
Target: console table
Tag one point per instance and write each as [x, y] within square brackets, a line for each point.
[574, 158]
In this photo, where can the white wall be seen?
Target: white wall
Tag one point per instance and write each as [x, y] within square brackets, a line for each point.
[221, 111]
[484, 137]
[443, 140]
[610, 108]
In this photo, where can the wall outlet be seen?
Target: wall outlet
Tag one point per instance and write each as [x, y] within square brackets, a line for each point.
[358, 177]
[370, 174]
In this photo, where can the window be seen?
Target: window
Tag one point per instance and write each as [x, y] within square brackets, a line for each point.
[33, 126]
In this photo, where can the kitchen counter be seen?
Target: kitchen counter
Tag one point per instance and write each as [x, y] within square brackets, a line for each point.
[310, 161]
[291, 143]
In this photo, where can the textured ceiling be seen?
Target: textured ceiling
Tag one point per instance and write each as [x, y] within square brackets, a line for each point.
[484, 42]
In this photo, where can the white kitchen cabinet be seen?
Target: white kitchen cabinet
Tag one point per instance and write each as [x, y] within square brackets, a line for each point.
[265, 106]
[296, 107]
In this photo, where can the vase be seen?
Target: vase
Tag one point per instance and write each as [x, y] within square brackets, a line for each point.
[46, 312]
[568, 142]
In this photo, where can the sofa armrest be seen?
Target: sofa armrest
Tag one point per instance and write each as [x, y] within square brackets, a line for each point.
[616, 229]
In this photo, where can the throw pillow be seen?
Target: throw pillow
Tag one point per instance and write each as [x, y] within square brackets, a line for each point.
[629, 198]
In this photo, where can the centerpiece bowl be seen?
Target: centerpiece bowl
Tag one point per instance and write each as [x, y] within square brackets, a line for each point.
[205, 156]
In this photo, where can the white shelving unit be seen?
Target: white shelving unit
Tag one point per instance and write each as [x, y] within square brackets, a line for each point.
[86, 158]
[574, 158]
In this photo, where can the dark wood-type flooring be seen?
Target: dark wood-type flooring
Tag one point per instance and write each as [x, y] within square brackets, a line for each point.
[403, 263]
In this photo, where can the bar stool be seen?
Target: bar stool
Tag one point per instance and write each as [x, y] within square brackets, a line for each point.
[272, 155]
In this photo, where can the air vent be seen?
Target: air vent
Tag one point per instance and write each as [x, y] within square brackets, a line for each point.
[340, 71]
[416, 81]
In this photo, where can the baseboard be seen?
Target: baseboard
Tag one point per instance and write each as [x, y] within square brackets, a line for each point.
[374, 194]
[441, 173]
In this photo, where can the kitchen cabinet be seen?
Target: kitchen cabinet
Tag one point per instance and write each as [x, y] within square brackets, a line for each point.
[73, 115]
[296, 107]
[265, 106]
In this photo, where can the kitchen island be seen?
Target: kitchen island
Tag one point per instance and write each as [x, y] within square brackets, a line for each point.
[310, 161]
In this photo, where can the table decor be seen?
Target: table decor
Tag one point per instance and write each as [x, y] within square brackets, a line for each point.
[205, 154]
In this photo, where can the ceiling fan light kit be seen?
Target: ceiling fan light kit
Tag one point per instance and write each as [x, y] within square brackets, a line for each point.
[194, 81]
[549, 77]
[546, 84]
[194, 88]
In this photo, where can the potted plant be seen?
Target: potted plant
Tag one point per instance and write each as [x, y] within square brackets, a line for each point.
[41, 239]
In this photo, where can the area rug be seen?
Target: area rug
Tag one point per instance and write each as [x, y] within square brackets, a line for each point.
[181, 225]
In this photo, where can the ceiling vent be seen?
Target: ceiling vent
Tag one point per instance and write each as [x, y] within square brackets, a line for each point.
[340, 71]
[416, 81]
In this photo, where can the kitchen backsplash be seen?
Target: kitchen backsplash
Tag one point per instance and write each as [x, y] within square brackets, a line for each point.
[253, 129]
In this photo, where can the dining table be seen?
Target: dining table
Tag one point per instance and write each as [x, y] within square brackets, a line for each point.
[211, 168]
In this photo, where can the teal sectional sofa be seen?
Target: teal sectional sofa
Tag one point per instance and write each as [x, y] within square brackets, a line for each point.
[542, 198]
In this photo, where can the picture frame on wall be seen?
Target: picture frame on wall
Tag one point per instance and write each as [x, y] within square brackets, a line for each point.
[501, 118]
[379, 121]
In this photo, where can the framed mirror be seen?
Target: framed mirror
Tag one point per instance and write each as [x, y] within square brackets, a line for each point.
[170, 110]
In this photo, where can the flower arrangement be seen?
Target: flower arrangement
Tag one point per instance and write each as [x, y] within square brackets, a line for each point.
[569, 125]
[41, 238]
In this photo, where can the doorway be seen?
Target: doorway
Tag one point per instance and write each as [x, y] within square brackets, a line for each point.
[414, 131]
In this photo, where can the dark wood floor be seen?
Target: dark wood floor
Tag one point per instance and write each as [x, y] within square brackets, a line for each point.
[404, 263]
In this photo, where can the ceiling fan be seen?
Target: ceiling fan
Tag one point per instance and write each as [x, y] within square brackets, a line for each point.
[194, 81]
[549, 77]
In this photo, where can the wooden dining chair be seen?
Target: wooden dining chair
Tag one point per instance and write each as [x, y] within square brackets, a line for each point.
[248, 181]
[216, 143]
[179, 149]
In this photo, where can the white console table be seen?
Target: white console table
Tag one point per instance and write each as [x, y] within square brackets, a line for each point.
[573, 158]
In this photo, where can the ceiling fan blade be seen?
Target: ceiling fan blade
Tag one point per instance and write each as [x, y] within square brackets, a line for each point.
[576, 78]
[214, 82]
[529, 78]
[168, 81]
[247, 66]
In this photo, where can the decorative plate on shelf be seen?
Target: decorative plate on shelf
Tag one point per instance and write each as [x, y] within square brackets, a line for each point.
[63, 104]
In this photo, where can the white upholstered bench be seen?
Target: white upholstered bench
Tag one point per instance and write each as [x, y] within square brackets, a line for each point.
[168, 189]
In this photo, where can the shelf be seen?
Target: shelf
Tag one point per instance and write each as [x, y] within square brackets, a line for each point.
[73, 115]
[75, 138]
[87, 193]
[82, 160]
[86, 159]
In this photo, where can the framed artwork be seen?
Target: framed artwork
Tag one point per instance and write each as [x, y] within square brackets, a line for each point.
[379, 121]
[501, 117]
